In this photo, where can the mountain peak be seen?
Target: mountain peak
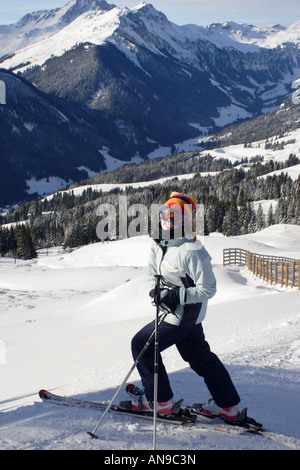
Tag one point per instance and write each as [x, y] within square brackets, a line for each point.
[44, 23]
[145, 6]
[65, 14]
[149, 10]
[85, 5]
[75, 8]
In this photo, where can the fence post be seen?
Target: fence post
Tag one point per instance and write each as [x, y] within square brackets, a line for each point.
[271, 272]
[293, 274]
[248, 260]
[260, 270]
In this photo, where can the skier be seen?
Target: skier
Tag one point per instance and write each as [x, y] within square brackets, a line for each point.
[187, 282]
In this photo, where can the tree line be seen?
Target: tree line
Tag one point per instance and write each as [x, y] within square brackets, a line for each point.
[70, 220]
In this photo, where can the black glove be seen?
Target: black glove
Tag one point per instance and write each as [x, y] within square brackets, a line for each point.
[152, 294]
[171, 298]
[156, 295]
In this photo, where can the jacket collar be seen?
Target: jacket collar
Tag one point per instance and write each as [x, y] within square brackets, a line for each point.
[173, 242]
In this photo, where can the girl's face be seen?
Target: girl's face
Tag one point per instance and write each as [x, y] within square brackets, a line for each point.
[166, 225]
[172, 217]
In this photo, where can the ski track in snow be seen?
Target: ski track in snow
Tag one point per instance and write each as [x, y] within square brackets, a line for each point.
[67, 319]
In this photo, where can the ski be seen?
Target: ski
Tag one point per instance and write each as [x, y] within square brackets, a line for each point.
[243, 420]
[184, 416]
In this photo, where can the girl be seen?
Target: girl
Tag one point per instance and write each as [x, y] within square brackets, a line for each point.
[187, 283]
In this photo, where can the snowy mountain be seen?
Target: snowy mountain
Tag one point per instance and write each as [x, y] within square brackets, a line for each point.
[67, 319]
[41, 25]
[159, 83]
[144, 30]
[97, 21]
[136, 64]
[249, 38]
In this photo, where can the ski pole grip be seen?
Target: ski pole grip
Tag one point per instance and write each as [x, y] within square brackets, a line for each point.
[157, 288]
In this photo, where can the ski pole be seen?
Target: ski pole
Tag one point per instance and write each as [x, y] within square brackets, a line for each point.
[93, 433]
[156, 352]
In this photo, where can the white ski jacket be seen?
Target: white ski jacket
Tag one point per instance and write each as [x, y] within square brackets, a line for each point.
[186, 264]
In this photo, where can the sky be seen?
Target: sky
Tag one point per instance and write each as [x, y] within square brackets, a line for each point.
[200, 12]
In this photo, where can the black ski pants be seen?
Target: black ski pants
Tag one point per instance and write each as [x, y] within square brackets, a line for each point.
[195, 350]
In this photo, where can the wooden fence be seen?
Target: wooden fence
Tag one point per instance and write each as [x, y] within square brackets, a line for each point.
[273, 269]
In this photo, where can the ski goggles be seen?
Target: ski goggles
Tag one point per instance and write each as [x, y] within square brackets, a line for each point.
[176, 217]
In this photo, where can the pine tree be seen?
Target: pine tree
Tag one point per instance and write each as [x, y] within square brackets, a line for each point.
[291, 212]
[252, 223]
[270, 217]
[241, 200]
[231, 220]
[260, 219]
[211, 223]
[281, 211]
[76, 235]
[25, 248]
[4, 241]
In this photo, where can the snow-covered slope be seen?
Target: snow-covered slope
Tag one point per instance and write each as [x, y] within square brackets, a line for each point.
[40, 35]
[207, 65]
[233, 153]
[247, 37]
[40, 25]
[67, 319]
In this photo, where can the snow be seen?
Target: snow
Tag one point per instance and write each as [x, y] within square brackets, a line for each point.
[67, 319]
[41, 25]
[47, 34]
[113, 163]
[105, 187]
[93, 27]
[230, 114]
[265, 205]
[293, 172]
[90, 172]
[249, 38]
[235, 153]
[46, 185]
